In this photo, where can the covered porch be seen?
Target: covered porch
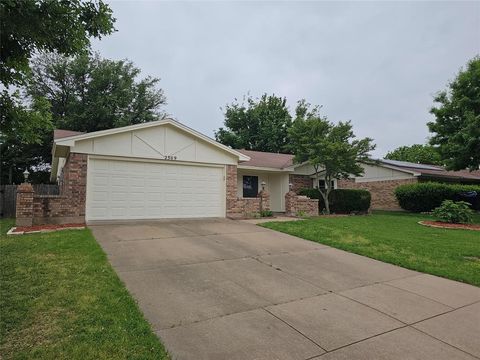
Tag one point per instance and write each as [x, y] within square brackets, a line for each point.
[275, 181]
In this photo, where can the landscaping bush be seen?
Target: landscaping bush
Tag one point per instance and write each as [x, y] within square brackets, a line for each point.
[454, 212]
[266, 213]
[342, 201]
[422, 197]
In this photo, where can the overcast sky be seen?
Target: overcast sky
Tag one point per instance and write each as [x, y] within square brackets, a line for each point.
[375, 63]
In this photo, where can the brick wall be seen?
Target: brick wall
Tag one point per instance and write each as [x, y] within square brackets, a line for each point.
[383, 196]
[242, 207]
[24, 210]
[300, 182]
[296, 205]
[69, 206]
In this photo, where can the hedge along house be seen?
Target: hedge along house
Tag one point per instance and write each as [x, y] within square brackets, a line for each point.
[155, 170]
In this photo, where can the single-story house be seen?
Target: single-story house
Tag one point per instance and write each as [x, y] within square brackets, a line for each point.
[164, 169]
[156, 170]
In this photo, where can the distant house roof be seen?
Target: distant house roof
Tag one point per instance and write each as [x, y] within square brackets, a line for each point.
[433, 171]
[267, 159]
[281, 161]
[60, 133]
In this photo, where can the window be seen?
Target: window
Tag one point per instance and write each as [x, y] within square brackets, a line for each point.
[321, 184]
[250, 186]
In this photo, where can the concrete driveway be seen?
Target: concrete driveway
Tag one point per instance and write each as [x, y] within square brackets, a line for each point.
[222, 289]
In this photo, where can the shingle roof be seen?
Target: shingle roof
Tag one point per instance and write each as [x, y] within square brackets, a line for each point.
[434, 171]
[59, 133]
[267, 159]
[281, 161]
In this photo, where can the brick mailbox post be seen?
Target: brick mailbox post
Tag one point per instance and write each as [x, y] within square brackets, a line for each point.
[24, 211]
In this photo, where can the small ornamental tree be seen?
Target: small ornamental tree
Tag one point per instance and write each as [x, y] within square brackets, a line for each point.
[332, 150]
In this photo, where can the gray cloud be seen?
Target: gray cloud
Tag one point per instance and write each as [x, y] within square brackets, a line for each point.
[375, 63]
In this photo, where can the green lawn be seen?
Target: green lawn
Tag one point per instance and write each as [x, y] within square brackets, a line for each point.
[396, 238]
[60, 299]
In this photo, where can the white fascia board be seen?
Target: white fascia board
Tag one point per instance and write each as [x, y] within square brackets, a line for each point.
[263, 168]
[70, 141]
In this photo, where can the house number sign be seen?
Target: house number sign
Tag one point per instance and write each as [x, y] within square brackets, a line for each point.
[170, 157]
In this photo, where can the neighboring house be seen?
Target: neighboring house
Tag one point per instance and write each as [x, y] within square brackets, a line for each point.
[165, 169]
[382, 178]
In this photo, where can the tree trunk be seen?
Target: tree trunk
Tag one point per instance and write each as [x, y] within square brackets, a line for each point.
[327, 194]
[327, 204]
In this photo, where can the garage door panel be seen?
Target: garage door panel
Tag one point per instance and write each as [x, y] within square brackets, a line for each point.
[135, 190]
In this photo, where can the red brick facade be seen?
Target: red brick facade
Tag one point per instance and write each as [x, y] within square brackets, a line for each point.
[296, 205]
[383, 192]
[69, 206]
[243, 207]
[300, 182]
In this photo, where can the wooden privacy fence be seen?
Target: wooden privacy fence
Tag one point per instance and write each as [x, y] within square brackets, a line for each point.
[8, 196]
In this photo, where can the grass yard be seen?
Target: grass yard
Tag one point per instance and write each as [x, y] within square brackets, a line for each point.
[396, 238]
[60, 299]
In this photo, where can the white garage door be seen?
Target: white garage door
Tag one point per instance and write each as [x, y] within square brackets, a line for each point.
[141, 190]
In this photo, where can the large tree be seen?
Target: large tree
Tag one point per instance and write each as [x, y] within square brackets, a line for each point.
[331, 149]
[19, 148]
[28, 27]
[456, 127]
[89, 93]
[256, 124]
[417, 153]
[83, 93]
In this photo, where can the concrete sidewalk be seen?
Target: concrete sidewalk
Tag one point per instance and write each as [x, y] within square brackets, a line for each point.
[223, 289]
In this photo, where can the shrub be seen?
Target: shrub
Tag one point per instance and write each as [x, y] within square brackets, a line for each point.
[266, 213]
[342, 201]
[422, 197]
[454, 212]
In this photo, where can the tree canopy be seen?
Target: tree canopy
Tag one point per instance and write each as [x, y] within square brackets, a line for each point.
[417, 153]
[89, 93]
[30, 26]
[456, 128]
[331, 149]
[259, 124]
[82, 93]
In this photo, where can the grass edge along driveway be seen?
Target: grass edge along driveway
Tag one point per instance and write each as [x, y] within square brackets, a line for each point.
[397, 238]
[61, 299]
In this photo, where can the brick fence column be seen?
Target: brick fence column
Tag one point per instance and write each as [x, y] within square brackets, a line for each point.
[264, 200]
[24, 211]
[290, 203]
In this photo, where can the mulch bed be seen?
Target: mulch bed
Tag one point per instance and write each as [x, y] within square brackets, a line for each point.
[44, 228]
[444, 225]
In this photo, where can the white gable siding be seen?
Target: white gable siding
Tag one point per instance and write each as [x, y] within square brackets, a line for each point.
[156, 143]
[380, 173]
